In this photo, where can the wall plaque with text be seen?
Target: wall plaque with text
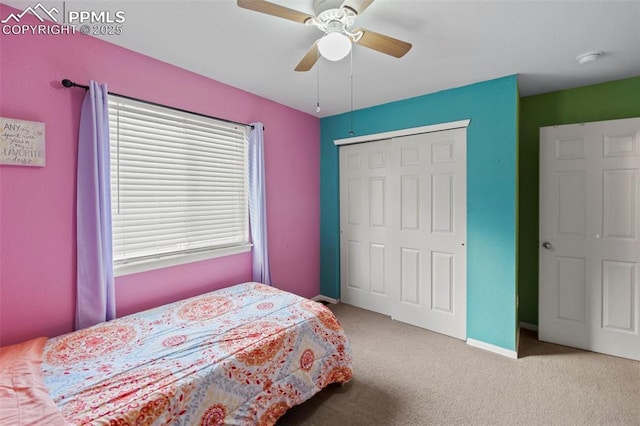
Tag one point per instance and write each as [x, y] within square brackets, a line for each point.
[21, 142]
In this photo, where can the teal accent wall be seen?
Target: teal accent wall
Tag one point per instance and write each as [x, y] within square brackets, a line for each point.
[605, 101]
[492, 142]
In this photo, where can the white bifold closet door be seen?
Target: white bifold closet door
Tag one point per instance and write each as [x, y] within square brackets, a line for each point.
[403, 229]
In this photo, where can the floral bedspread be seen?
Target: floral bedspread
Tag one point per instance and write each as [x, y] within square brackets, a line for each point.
[240, 355]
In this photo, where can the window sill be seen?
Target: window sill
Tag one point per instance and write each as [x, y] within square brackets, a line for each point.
[180, 259]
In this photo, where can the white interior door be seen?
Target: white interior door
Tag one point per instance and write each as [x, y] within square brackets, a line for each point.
[589, 289]
[403, 229]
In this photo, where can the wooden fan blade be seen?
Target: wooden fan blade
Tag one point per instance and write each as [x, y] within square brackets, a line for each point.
[358, 6]
[309, 59]
[384, 44]
[274, 10]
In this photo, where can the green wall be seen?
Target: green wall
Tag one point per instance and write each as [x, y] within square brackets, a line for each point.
[492, 142]
[606, 101]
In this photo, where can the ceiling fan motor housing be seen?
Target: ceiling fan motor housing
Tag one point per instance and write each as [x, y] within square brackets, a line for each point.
[320, 6]
[334, 20]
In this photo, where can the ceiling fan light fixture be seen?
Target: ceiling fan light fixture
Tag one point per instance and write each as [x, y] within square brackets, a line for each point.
[334, 46]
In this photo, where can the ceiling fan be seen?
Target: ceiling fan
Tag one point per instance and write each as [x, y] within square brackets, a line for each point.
[335, 18]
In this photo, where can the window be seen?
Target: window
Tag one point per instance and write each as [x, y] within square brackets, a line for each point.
[178, 186]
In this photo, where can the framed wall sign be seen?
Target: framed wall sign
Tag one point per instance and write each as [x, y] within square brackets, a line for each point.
[21, 142]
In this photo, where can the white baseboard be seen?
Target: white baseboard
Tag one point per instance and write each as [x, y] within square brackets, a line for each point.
[492, 348]
[321, 298]
[528, 326]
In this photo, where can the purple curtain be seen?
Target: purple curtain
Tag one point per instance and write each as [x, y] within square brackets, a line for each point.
[95, 300]
[258, 205]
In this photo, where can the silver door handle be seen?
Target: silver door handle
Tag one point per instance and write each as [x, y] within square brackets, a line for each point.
[547, 245]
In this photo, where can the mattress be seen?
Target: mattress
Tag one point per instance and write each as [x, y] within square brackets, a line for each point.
[241, 355]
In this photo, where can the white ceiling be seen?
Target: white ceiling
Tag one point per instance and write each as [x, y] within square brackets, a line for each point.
[455, 43]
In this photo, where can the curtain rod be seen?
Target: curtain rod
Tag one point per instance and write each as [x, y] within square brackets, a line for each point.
[68, 83]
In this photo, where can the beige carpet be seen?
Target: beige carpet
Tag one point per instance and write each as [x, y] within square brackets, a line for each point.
[406, 375]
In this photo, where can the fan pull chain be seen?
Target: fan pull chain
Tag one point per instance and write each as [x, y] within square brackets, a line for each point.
[318, 85]
[351, 132]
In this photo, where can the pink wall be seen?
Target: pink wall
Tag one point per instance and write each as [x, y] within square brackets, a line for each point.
[37, 205]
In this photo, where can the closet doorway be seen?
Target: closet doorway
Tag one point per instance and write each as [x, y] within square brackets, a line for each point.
[403, 226]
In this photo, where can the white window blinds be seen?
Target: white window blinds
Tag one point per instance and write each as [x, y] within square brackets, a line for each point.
[178, 182]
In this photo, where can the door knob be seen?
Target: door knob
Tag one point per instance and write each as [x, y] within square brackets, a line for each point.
[547, 245]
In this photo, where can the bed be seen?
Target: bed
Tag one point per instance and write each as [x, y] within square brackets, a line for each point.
[236, 356]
